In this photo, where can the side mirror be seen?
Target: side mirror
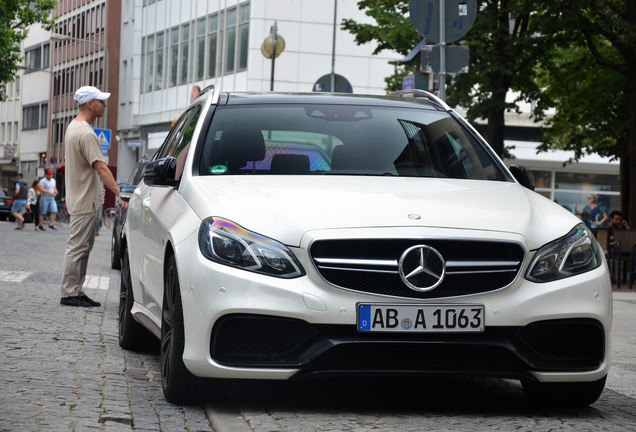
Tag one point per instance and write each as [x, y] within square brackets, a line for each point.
[523, 176]
[161, 172]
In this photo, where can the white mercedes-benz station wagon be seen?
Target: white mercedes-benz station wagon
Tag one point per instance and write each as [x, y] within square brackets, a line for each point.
[292, 236]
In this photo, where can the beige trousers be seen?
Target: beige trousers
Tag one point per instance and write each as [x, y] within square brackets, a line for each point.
[78, 247]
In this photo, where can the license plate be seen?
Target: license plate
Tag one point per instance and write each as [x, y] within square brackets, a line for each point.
[420, 318]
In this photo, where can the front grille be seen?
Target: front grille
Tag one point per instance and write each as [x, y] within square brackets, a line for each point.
[371, 266]
[273, 342]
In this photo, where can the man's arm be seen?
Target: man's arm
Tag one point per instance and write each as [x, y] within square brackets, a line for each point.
[108, 179]
[16, 191]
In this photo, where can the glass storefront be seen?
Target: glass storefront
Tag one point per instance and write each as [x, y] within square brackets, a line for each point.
[575, 191]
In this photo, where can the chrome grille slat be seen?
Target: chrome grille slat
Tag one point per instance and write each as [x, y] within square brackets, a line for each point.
[371, 265]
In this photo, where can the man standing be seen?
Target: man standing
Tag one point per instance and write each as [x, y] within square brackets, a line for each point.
[19, 204]
[48, 192]
[85, 166]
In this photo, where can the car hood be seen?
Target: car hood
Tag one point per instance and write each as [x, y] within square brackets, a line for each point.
[286, 207]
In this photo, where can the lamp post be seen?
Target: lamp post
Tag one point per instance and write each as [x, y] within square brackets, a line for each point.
[63, 37]
[272, 47]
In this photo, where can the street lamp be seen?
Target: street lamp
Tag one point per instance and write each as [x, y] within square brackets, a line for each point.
[272, 47]
[63, 37]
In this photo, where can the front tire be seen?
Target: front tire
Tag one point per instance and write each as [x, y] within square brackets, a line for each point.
[570, 394]
[179, 385]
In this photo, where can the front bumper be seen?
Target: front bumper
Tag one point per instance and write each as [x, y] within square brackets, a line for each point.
[244, 325]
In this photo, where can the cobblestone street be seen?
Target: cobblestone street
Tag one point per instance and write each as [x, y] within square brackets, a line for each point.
[61, 368]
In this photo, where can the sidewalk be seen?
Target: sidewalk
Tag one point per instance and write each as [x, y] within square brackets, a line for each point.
[61, 367]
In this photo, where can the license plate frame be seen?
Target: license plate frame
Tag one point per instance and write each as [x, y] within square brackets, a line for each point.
[419, 318]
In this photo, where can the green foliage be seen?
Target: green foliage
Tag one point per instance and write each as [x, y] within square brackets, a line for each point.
[392, 29]
[500, 59]
[592, 106]
[16, 16]
[586, 79]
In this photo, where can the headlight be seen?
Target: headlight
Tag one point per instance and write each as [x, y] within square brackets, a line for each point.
[576, 253]
[225, 242]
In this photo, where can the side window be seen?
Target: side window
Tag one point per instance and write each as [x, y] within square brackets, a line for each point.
[174, 137]
[171, 142]
[183, 146]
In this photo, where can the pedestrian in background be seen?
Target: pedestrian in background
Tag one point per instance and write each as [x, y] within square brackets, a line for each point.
[20, 202]
[48, 192]
[33, 203]
[85, 166]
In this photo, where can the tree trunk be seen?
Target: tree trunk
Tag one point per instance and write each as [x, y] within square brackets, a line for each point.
[624, 185]
[495, 131]
[631, 142]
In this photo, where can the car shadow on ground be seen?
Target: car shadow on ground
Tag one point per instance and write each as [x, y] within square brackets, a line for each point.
[391, 395]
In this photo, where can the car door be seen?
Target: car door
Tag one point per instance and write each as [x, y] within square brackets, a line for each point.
[161, 208]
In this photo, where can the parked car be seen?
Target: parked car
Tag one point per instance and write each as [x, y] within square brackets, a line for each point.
[6, 205]
[120, 216]
[291, 236]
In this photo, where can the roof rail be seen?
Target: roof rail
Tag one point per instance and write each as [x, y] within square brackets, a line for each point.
[214, 90]
[421, 94]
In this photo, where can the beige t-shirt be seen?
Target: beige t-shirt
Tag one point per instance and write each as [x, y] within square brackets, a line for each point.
[81, 150]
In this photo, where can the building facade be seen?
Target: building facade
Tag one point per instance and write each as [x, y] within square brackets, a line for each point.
[154, 55]
[177, 47]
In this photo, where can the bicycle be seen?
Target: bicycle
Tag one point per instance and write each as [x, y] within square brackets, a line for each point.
[62, 212]
[109, 216]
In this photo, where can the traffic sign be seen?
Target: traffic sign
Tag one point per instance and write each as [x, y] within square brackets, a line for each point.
[457, 59]
[103, 135]
[459, 17]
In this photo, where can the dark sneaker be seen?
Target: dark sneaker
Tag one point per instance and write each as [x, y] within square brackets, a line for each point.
[74, 301]
[52, 227]
[92, 303]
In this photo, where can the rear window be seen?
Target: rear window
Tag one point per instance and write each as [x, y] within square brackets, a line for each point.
[342, 140]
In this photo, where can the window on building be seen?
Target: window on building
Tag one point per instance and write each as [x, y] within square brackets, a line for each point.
[244, 33]
[197, 50]
[44, 115]
[159, 68]
[184, 76]
[34, 116]
[230, 41]
[174, 55]
[200, 50]
[33, 59]
[150, 63]
[213, 28]
[46, 55]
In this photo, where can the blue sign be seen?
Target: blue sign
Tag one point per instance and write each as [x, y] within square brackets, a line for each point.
[103, 135]
[408, 82]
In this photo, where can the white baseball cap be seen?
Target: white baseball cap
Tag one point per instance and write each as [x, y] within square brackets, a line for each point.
[88, 93]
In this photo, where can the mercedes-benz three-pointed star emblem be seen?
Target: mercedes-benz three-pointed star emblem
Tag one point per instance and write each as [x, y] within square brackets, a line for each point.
[422, 268]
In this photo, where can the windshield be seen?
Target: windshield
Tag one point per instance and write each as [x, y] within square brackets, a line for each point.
[342, 140]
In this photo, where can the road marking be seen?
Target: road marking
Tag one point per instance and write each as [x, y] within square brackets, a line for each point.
[91, 282]
[14, 276]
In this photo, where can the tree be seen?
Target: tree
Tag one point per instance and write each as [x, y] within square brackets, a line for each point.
[392, 30]
[591, 84]
[502, 58]
[506, 48]
[16, 16]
